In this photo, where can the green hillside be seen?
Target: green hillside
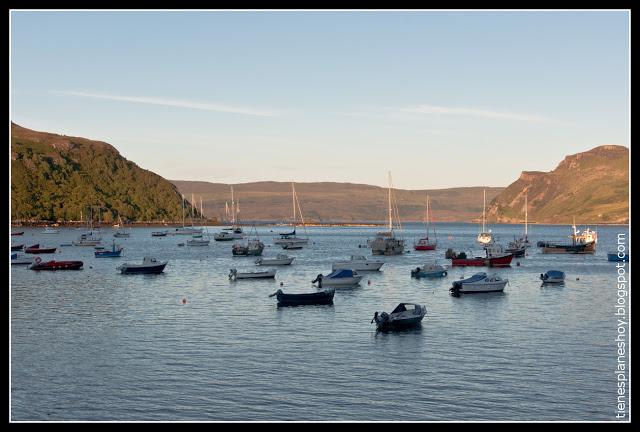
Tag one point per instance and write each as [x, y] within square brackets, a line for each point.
[58, 177]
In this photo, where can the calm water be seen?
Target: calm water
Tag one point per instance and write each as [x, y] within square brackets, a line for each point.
[97, 345]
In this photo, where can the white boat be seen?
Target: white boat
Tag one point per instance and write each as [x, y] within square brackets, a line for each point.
[234, 274]
[429, 270]
[149, 266]
[339, 277]
[49, 230]
[121, 233]
[280, 259]
[19, 259]
[479, 283]
[227, 236]
[484, 237]
[385, 242]
[291, 238]
[552, 276]
[87, 239]
[358, 263]
[401, 317]
[198, 242]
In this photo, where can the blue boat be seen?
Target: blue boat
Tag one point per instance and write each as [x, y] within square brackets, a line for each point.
[552, 276]
[613, 256]
[113, 253]
[429, 270]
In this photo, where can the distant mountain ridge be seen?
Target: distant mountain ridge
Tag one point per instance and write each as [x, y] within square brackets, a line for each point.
[58, 177]
[336, 202]
[592, 187]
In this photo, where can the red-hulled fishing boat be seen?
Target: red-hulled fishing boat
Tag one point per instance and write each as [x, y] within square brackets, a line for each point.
[55, 265]
[36, 249]
[495, 258]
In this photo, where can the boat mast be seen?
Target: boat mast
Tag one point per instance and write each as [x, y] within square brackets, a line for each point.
[293, 202]
[390, 223]
[525, 216]
[182, 210]
[233, 213]
[484, 204]
[201, 214]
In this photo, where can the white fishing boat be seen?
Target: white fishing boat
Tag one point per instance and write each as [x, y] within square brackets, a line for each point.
[358, 263]
[405, 315]
[234, 274]
[479, 283]
[339, 277]
[385, 242]
[484, 236]
[280, 259]
[429, 270]
[291, 238]
[87, 239]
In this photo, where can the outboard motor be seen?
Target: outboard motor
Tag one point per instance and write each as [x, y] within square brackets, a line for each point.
[415, 273]
[233, 273]
[375, 317]
[319, 280]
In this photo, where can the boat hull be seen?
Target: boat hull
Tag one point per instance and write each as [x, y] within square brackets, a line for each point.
[264, 262]
[613, 257]
[400, 324]
[320, 298]
[143, 270]
[588, 248]
[40, 251]
[17, 248]
[424, 247]
[357, 266]
[347, 281]
[502, 261]
[57, 265]
[108, 254]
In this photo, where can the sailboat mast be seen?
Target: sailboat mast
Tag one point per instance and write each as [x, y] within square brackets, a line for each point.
[390, 223]
[201, 214]
[525, 216]
[182, 210]
[293, 203]
[233, 213]
[484, 205]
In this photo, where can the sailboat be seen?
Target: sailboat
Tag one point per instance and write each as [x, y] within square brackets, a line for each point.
[291, 239]
[185, 230]
[88, 238]
[518, 246]
[385, 242]
[235, 232]
[484, 236]
[121, 233]
[425, 243]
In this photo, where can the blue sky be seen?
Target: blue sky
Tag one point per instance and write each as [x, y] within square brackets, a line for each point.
[441, 99]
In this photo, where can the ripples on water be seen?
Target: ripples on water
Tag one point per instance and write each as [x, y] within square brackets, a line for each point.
[97, 345]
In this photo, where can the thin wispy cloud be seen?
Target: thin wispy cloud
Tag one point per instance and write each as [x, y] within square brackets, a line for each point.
[433, 109]
[172, 103]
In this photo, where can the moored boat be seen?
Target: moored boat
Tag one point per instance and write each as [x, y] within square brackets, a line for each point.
[87, 239]
[479, 283]
[149, 266]
[317, 298]
[429, 270]
[617, 256]
[280, 259]
[491, 260]
[159, 233]
[584, 243]
[405, 315]
[49, 230]
[234, 274]
[18, 259]
[426, 244]
[339, 277]
[552, 276]
[385, 242]
[36, 249]
[17, 233]
[55, 265]
[17, 247]
[115, 252]
[358, 263]
[484, 236]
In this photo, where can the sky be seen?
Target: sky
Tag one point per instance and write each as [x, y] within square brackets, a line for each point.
[439, 98]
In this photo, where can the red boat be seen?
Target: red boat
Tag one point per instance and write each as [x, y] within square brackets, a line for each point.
[17, 233]
[424, 244]
[494, 258]
[36, 249]
[55, 265]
